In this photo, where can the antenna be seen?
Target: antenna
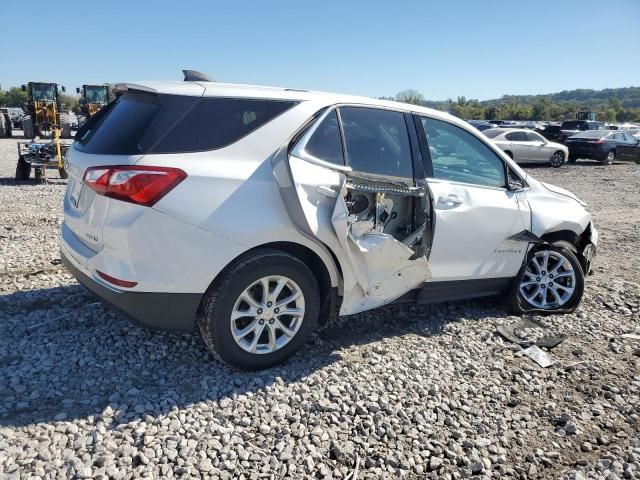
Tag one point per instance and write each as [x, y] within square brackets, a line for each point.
[195, 76]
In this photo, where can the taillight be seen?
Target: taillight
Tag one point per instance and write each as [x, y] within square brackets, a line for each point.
[142, 185]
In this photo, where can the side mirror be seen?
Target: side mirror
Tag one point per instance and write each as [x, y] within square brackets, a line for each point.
[24, 88]
[77, 89]
[64, 89]
[515, 185]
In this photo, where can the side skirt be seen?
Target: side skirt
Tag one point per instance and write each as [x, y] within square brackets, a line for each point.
[435, 292]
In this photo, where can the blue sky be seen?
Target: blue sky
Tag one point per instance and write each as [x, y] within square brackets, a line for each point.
[480, 49]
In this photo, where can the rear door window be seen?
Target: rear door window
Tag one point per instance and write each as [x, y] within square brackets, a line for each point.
[140, 122]
[326, 142]
[377, 142]
[516, 137]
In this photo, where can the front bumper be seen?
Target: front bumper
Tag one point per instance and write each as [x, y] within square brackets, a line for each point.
[159, 311]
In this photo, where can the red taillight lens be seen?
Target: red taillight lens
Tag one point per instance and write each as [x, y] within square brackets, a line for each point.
[142, 185]
[116, 281]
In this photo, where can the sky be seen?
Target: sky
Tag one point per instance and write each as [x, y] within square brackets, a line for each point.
[444, 49]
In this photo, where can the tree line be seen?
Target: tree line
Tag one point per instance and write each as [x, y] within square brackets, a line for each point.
[611, 104]
[15, 97]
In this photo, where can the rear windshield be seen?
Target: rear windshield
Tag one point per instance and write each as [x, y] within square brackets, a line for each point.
[574, 125]
[492, 133]
[592, 134]
[139, 123]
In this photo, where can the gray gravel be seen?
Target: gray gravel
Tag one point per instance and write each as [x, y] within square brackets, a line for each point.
[430, 392]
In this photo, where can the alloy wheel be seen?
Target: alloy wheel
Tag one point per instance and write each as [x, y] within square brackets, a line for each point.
[557, 159]
[267, 314]
[548, 281]
[611, 156]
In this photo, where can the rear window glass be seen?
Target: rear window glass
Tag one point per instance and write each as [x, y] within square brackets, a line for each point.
[492, 133]
[139, 123]
[592, 134]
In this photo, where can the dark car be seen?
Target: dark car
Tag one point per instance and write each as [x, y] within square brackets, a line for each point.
[551, 133]
[571, 127]
[603, 145]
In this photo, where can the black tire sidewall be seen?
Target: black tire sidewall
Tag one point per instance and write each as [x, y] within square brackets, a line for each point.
[519, 305]
[219, 303]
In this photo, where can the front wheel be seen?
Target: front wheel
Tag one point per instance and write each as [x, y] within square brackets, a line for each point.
[557, 159]
[551, 280]
[610, 158]
[262, 310]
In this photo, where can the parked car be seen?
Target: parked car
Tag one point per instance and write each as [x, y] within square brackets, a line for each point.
[525, 146]
[569, 128]
[254, 213]
[552, 133]
[635, 133]
[604, 145]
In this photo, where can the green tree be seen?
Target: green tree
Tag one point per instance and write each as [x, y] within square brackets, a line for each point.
[410, 96]
[14, 97]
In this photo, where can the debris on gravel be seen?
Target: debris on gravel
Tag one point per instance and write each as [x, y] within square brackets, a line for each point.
[399, 392]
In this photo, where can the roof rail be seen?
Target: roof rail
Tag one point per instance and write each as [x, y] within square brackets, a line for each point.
[195, 76]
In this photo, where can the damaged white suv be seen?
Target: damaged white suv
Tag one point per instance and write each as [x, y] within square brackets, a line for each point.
[254, 213]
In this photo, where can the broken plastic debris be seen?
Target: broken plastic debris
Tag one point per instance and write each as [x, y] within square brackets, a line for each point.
[546, 341]
[551, 341]
[538, 355]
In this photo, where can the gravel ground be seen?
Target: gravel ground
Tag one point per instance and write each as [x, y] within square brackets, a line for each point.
[429, 392]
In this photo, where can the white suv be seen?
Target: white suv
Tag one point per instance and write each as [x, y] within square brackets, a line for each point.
[254, 213]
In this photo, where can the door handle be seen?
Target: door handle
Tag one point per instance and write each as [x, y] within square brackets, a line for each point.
[451, 199]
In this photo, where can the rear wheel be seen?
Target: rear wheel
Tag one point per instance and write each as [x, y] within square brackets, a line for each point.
[551, 280]
[40, 175]
[262, 310]
[557, 159]
[27, 127]
[610, 158]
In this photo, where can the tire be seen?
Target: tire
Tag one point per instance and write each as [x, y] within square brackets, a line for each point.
[27, 127]
[572, 278]
[572, 158]
[3, 126]
[557, 159]
[226, 296]
[39, 177]
[65, 122]
[45, 130]
[23, 170]
[610, 158]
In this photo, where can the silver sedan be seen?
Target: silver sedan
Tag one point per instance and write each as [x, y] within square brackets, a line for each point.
[525, 146]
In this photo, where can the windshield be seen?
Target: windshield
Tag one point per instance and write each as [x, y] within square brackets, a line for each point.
[43, 91]
[95, 94]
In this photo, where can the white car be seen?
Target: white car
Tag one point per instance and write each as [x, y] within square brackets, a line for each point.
[254, 213]
[525, 146]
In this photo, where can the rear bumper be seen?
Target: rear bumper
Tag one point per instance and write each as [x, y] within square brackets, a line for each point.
[159, 311]
[595, 153]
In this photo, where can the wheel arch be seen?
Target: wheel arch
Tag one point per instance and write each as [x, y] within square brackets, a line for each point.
[328, 283]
